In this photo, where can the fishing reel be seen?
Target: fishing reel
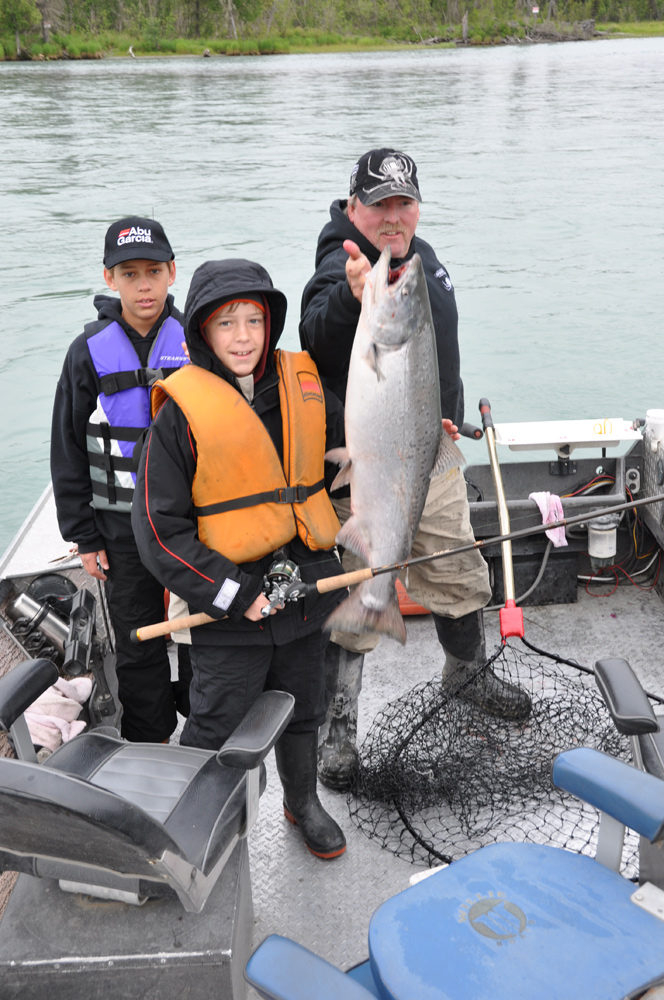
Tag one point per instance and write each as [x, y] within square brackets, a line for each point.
[277, 581]
[55, 620]
[39, 615]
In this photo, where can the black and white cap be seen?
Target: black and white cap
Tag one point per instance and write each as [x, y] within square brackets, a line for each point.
[383, 173]
[135, 238]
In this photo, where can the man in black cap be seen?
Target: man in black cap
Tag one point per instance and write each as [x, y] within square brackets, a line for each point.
[101, 411]
[383, 209]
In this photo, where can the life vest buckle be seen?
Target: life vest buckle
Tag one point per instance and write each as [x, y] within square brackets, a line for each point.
[290, 494]
[146, 377]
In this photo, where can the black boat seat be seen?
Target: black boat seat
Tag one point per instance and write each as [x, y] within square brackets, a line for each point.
[131, 820]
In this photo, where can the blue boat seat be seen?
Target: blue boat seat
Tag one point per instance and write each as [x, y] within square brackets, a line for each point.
[514, 921]
[125, 820]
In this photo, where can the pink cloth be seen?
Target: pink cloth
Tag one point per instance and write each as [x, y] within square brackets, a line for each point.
[551, 509]
[52, 717]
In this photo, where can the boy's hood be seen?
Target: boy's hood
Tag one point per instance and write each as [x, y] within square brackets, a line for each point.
[108, 307]
[217, 279]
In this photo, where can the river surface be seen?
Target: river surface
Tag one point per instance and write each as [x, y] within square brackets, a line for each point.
[541, 169]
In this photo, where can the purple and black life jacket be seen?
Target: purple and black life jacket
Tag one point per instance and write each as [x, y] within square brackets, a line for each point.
[122, 413]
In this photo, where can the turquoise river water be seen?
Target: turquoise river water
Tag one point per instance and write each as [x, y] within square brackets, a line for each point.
[540, 168]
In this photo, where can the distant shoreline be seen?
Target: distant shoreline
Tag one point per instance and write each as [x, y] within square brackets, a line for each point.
[530, 31]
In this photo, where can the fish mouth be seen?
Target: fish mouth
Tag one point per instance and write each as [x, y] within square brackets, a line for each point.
[389, 281]
[395, 273]
[392, 299]
[398, 276]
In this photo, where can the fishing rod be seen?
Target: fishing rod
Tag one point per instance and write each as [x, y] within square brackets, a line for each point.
[298, 589]
[358, 576]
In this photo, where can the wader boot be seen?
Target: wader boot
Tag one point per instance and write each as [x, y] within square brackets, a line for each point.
[465, 650]
[337, 751]
[296, 764]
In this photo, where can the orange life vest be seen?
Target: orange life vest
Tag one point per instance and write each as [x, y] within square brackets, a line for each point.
[246, 502]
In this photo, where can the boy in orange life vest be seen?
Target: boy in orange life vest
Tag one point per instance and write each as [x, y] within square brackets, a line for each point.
[233, 470]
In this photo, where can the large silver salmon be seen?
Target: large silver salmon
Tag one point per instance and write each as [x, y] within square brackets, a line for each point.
[394, 438]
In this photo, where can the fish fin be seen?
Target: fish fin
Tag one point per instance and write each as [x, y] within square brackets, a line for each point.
[351, 537]
[371, 358]
[449, 456]
[342, 478]
[353, 616]
[340, 456]
[337, 456]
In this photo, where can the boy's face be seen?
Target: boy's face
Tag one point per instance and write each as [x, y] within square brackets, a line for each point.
[143, 286]
[237, 336]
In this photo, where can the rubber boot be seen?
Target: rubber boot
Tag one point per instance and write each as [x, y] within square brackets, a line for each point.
[465, 650]
[337, 750]
[296, 764]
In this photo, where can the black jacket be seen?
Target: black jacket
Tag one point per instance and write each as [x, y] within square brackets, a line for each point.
[165, 524]
[330, 312]
[75, 402]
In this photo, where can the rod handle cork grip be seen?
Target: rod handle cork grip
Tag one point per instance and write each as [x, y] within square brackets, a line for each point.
[165, 628]
[329, 583]
[485, 411]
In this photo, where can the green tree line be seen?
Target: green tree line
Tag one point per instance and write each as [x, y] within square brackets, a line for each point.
[53, 28]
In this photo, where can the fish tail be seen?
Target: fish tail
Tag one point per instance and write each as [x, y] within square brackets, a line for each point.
[354, 616]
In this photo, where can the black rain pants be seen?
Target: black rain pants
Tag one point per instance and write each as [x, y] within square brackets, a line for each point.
[227, 680]
[143, 669]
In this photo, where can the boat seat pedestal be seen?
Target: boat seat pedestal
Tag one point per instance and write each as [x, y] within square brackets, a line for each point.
[63, 945]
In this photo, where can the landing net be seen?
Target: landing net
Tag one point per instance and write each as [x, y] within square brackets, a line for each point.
[439, 777]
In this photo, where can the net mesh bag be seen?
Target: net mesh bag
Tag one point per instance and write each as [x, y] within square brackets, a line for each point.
[439, 777]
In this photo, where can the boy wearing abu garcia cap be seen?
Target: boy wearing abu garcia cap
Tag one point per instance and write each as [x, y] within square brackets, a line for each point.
[232, 474]
[101, 411]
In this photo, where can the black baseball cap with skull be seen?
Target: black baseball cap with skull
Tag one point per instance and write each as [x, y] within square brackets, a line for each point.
[383, 173]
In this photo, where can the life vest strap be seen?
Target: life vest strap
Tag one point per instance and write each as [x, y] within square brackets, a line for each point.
[282, 495]
[114, 494]
[140, 377]
[107, 432]
[109, 462]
